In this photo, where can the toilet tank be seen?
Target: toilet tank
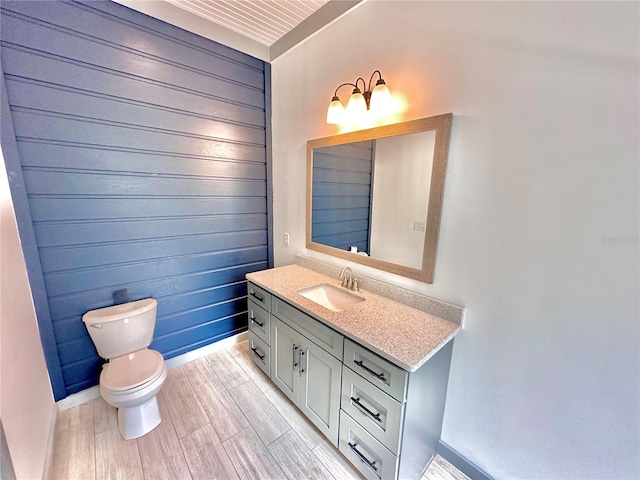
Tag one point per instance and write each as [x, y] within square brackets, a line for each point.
[122, 329]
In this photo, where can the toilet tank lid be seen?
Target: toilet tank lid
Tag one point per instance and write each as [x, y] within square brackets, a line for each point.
[119, 312]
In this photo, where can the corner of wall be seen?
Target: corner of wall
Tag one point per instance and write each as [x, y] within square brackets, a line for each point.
[51, 443]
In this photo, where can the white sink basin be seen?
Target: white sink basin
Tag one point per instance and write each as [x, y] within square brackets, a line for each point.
[333, 298]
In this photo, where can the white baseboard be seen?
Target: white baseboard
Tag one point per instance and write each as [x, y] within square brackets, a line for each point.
[79, 398]
[206, 350]
[94, 392]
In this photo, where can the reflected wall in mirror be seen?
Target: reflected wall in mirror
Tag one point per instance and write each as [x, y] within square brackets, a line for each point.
[379, 191]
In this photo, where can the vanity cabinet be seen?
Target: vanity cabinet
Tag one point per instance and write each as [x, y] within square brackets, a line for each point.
[308, 375]
[258, 306]
[300, 355]
[385, 420]
[391, 419]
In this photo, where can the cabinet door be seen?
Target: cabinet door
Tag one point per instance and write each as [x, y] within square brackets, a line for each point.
[320, 380]
[285, 345]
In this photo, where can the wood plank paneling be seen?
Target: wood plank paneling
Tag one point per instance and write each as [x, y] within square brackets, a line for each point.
[81, 49]
[67, 258]
[168, 286]
[35, 97]
[341, 195]
[121, 275]
[144, 153]
[55, 72]
[51, 208]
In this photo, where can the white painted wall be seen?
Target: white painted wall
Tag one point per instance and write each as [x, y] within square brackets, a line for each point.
[26, 399]
[539, 236]
[401, 186]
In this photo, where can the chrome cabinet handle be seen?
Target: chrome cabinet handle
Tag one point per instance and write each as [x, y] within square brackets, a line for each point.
[376, 416]
[300, 361]
[371, 464]
[367, 369]
[253, 319]
[260, 298]
[293, 356]
[255, 350]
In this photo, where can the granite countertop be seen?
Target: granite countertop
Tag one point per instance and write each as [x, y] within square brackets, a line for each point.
[403, 335]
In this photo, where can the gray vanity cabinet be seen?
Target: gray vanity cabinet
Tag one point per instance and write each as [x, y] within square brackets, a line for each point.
[301, 356]
[391, 419]
[258, 306]
[385, 420]
[286, 358]
[308, 375]
[320, 390]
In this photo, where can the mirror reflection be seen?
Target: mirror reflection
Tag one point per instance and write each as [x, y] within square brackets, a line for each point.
[371, 197]
[374, 196]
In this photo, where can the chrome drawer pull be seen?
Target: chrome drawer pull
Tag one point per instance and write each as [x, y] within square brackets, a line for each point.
[367, 369]
[352, 446]
[260, 298]
[293, 356]
[255, 350]
[376, 416]
[253, 319]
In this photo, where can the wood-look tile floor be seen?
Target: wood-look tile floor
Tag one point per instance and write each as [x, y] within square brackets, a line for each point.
[204, 433]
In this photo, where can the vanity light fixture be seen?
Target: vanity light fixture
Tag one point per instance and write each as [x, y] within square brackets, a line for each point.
[377, 101]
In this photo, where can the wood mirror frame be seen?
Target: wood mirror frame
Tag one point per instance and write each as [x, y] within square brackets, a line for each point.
[441, 124]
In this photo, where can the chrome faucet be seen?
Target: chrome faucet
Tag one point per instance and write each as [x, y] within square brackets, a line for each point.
[346, 275]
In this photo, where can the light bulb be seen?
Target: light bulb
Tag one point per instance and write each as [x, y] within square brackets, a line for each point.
[335, 112]
[357, 107]
[380, 102]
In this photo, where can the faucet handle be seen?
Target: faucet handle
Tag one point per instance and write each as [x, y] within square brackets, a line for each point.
[355, 286]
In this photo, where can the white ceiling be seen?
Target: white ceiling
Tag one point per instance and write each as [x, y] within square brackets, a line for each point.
[264, 29]
[265, 21]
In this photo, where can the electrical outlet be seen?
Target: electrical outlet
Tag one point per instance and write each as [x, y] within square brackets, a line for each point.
[419, 226]
[285, 238]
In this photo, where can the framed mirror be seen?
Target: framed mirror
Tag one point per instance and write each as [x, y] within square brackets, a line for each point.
[374, 196]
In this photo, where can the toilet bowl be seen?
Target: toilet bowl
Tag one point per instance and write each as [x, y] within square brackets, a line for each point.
[130, 383]
[134, 373]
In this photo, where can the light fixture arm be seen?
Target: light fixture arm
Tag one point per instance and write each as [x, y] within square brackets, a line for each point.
[336, 109]
[335, 95]
[371, 79]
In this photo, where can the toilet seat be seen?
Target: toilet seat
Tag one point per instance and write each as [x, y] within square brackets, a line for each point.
[132, 372]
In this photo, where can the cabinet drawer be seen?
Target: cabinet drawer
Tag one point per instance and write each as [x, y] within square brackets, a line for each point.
[377, 412]
[259, 321]
[259, 295]
[260, 353]
[380, 372]
[368, 455]
[323, 336]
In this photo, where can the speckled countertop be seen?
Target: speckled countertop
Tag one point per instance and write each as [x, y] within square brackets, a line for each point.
[401, 334]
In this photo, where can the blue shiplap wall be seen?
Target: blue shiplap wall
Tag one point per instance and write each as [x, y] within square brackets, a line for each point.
[144, 155]
[342, 195]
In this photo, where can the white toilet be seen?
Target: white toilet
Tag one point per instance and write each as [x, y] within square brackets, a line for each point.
[134, 374]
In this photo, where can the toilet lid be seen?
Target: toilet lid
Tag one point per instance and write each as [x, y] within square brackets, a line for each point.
[132, 370]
